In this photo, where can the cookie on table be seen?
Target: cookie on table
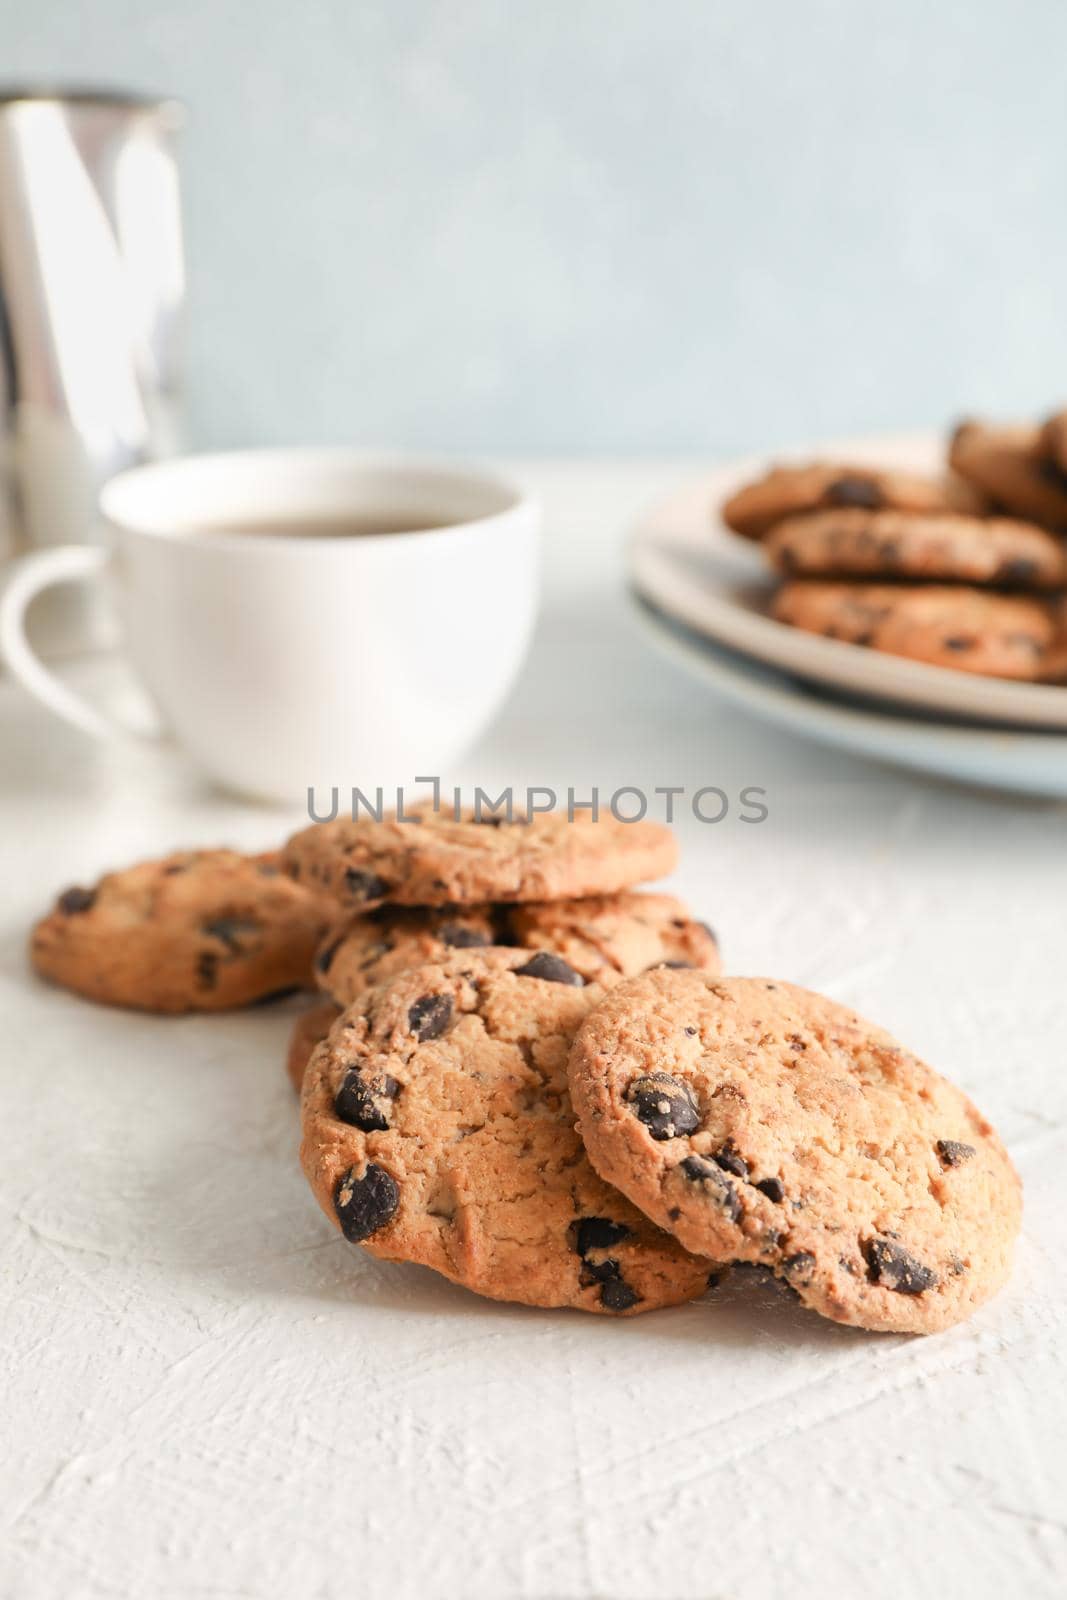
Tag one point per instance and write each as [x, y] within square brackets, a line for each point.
[200, 930]
[437, 861]
[759, 1122]
[947, 547]
[969, 630]
[309, 1029]
[1013, 466]
[625, 933]
[787, 491]
[437, 1128]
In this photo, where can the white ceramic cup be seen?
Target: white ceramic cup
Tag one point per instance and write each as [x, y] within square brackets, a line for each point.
[281, 661]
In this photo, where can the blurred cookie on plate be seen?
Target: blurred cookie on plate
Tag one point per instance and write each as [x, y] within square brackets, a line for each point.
[1014, 466]
[969, 630]
[942, 546]
[787, 491]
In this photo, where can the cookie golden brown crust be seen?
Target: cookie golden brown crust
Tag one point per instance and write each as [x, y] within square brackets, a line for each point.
[999, 551]
[1013, 466]
[309, 1029]
[437, 861]
[202, 930]
[438, 1129]
[787, 491]
[760, 1122]
[624, 933]
[969, 630]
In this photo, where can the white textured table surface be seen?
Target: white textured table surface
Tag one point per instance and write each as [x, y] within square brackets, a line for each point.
[205, 1392]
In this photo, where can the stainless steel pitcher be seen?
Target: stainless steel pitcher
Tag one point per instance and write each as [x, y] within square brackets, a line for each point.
[91, 295]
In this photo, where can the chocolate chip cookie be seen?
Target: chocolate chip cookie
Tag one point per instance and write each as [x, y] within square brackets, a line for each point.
[760, 1122]
[309, 1029]
[438, 1129]
[787, 491]
[625, 933]
[437, 861]
[1004, 636]
[999, 551]
[1013, 466]
[200, 930]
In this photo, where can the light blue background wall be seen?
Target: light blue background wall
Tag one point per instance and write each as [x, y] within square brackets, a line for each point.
[602, 225]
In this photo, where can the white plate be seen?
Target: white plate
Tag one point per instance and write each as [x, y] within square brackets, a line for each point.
[687, 563]
[997, 758]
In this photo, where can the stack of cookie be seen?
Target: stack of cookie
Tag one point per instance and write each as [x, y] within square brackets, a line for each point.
[964, 572]
[532, 1078]
[438, 1126]
[529, 1075]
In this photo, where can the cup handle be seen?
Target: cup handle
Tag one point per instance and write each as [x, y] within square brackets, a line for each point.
[29, 577]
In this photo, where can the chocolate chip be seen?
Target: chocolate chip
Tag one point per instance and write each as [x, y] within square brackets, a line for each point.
[429, 1017]
[798, 1268]
[324, 959]
[772, 1188]
[665, 1106]
[71, 901]
[892, 1267]
[717, 1187]
[359, 1102]
[959, 641]
[596, 1233]
[730, 1161]
[550, 969]
[796, 1041]
[364, 1205]
[458, 937]
[854, 490]
[364, 886]
[714, 1279]
[231, 930]
[673, 966]
[1052, 473]
[615, 1293]
[207, 969]
[1020, 570]
[954, 1154]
